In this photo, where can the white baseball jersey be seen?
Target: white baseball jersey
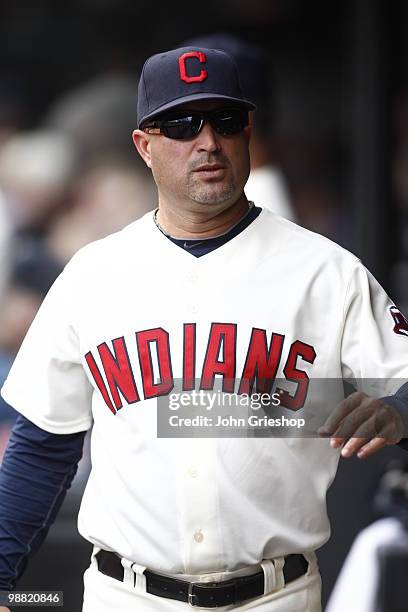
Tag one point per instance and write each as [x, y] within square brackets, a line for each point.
[131, 313]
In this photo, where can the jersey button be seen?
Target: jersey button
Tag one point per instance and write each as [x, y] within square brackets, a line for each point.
[193, 472]
[192, 277]
[195, 308]
[198, 536]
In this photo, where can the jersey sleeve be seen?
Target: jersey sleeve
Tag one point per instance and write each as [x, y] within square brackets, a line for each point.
[374, 350]
[47, 382]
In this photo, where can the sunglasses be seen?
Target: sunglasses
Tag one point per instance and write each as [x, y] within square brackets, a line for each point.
[186, 124]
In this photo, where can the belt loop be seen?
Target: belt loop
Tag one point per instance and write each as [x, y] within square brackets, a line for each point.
[279, 562]
[128, 574]
[273, 574]
[94, 561]
[140, 582]
[311, 558]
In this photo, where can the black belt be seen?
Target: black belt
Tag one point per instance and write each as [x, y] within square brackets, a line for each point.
[204, 594]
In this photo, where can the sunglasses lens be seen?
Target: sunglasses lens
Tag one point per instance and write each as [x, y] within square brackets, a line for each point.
[181, 127]
[228, 122]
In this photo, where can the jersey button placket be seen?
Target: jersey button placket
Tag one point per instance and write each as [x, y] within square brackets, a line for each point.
[192, 282]
[200, 511]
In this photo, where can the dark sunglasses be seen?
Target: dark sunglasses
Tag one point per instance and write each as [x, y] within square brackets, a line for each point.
[186, 124]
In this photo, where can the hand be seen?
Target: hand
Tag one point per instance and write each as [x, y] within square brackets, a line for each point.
[3, 609]
[363, 424]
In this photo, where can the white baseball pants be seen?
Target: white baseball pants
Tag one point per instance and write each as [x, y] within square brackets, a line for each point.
[104, 594]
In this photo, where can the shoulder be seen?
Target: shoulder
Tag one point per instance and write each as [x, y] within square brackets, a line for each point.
[109, 251]
[301, 244]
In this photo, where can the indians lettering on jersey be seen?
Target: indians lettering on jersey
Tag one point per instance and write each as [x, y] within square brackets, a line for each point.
[401, 323]
[259, 371]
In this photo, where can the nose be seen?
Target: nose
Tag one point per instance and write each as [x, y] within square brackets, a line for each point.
[207, 139]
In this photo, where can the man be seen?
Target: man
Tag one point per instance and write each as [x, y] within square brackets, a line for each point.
[208, 290]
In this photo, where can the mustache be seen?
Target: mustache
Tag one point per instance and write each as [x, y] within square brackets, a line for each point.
[218, 158]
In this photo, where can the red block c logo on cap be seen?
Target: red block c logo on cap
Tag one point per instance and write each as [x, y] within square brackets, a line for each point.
[183, 68]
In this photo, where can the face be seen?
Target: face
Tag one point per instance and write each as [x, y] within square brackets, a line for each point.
[207, 170]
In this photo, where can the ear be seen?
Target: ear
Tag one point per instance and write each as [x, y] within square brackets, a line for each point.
[141, 141]
[248, 132]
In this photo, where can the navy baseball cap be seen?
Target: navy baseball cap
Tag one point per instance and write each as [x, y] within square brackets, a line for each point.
[181, 75]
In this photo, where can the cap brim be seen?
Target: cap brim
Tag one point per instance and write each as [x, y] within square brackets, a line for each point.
[194, 97]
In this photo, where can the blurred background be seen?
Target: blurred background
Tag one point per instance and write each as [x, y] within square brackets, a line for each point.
[330, 150]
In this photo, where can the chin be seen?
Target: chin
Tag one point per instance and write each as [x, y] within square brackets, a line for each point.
[212, 196]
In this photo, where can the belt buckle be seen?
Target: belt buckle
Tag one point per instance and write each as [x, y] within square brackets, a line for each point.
[191, 596]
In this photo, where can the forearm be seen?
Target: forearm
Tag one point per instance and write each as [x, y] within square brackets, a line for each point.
[37, 470]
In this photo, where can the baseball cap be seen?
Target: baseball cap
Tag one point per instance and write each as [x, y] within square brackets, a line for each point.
[185, 74]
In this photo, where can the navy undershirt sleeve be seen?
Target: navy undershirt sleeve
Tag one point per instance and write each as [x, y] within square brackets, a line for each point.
[399, 401]
[37, 470]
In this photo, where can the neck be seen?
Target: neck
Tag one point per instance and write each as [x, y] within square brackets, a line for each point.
[201, 223]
